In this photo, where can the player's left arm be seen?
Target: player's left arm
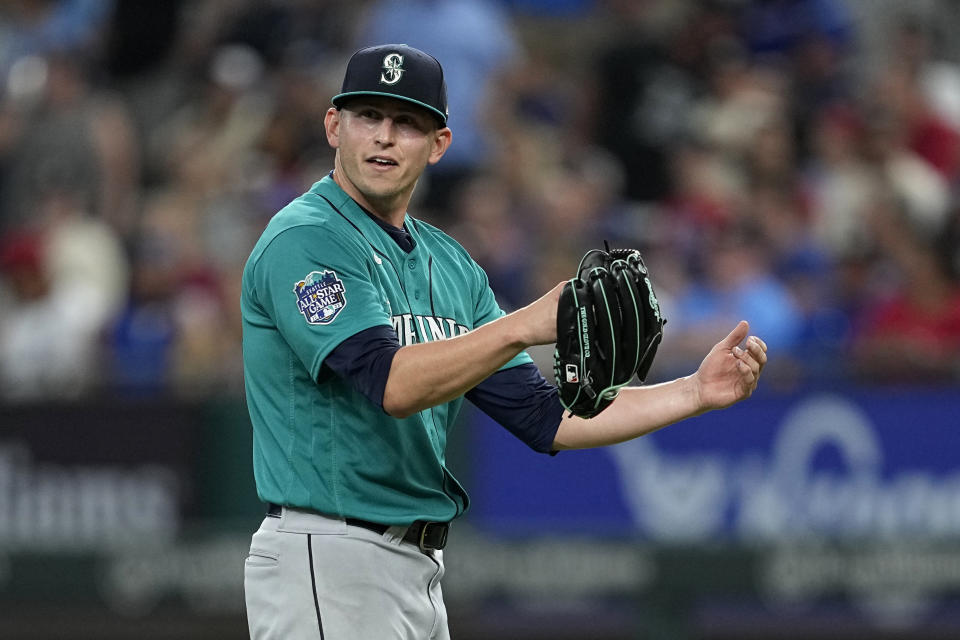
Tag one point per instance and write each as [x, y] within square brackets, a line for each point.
[729, 373]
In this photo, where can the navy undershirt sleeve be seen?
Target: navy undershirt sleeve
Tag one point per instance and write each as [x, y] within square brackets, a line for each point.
[523, 402]
[364, 361]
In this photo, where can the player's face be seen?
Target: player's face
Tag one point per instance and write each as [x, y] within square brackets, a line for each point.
[383, 146]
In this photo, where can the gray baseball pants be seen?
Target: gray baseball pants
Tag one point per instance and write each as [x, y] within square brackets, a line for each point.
[312, 576]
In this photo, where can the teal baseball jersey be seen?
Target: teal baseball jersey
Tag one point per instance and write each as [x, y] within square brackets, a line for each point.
[322, 271]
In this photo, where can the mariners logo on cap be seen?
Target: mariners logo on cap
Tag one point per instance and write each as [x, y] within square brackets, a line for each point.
[392, 68]
[320, 297]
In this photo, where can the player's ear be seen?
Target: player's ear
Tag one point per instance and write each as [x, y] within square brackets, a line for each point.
[331, 122]
[441, 143]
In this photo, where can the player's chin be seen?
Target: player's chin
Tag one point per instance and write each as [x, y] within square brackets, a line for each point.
[383, 186]
[382, 176]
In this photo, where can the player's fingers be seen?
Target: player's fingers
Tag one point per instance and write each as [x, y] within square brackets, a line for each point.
[748, 376]
[736, 336]
[748, 359]
[758, 350]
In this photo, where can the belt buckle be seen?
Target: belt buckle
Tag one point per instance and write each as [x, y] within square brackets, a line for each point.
[423, 536]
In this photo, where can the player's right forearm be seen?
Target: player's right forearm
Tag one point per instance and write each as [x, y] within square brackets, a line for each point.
[428, 374]
[431, 373]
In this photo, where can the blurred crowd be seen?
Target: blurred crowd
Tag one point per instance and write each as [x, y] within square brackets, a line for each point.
[792, 162]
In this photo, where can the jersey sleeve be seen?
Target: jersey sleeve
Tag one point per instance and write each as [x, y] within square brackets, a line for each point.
[318, 290]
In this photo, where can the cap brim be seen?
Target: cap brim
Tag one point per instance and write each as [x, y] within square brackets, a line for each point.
[338, 99]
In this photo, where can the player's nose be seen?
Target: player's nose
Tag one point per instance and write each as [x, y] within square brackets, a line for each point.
[385, 132]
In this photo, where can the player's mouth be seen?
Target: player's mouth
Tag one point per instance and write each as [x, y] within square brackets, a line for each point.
[382, 162]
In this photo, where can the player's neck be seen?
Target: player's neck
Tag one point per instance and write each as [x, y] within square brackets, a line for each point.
[391, 210]
[392, 216]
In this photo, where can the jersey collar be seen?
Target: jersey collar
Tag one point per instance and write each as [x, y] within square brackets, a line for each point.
[373, 228]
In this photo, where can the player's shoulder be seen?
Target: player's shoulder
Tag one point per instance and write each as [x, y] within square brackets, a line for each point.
[307, 210]
[309, 218]
[440, 240]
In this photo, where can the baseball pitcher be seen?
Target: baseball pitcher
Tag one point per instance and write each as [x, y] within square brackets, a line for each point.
[363, 331]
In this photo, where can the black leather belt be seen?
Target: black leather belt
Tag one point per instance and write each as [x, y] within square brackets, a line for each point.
[426, 535]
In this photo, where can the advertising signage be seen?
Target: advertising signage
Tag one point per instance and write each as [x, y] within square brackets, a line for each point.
[839, 465]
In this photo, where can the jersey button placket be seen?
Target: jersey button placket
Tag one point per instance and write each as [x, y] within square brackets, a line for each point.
[412, 264]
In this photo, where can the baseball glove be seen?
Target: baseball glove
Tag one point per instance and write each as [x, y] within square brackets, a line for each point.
[608, 329]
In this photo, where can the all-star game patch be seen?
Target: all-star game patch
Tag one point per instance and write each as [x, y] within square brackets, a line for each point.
[320, 297]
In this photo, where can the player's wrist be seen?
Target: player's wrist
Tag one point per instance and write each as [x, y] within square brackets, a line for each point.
[535, 323]
[691, 394]
[516, 331]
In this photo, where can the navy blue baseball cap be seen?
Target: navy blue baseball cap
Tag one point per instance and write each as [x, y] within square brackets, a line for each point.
[396, 71]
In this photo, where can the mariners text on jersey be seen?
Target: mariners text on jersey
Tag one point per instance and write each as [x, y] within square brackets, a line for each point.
[431, 328]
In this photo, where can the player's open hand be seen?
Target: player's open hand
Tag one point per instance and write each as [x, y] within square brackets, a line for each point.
[730, 372]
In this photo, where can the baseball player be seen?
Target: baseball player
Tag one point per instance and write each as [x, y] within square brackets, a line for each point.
[363, 331]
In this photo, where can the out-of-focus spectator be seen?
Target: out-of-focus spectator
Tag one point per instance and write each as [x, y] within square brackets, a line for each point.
[646, 85]
[475, 41]
[67, 279]
[771, 157]
[37, 28]
[918, 46]
[838, 182]
[911, 149]
[925, 132]
[206, 139]
[778, 29]
[707, 193]
[806, 268]
[28, 309]
[68, 136]
[138, 343]
[911, 331]
[734, 281]
[176, 322]
[807, 42]
[924, 192]
[740, 100]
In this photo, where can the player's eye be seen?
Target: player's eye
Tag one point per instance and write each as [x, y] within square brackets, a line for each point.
[368, 114]
[409, 122]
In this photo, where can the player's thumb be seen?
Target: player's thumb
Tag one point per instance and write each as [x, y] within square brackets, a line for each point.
[736, 336]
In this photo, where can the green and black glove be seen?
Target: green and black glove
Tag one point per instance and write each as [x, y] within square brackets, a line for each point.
[608, 329]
